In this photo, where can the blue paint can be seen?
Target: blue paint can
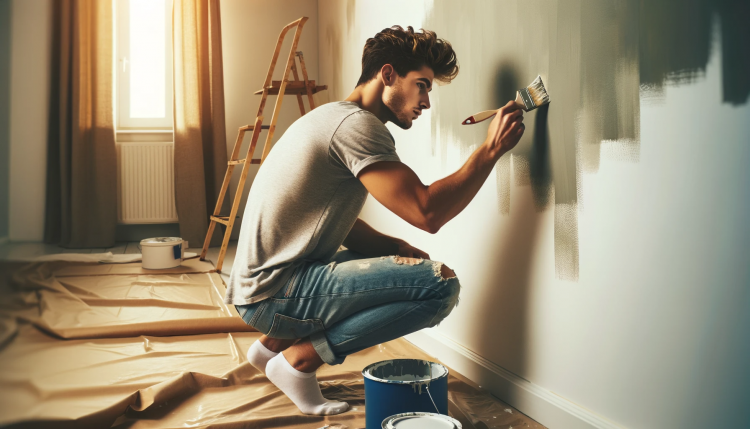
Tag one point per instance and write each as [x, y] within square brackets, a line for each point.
[400, 386]
[420, 421]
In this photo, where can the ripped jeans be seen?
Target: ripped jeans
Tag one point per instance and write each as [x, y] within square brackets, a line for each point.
[354, 303]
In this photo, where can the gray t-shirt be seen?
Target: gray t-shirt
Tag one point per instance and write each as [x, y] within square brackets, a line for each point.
[306, 197]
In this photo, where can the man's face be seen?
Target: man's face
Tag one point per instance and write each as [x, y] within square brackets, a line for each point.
[408, 96]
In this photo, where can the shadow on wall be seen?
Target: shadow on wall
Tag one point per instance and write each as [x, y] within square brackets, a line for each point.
[512, 274]
[598, 60]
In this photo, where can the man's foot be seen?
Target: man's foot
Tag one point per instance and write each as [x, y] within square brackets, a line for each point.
[302, 388]
[258, 355]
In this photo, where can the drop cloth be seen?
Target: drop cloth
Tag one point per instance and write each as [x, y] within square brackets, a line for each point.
[160, 350]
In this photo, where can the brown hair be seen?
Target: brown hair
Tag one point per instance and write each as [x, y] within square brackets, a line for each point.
[408, 51]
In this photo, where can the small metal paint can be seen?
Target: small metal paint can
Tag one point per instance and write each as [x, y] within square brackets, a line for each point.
[398, 386]
[420, 421]
[160, 253]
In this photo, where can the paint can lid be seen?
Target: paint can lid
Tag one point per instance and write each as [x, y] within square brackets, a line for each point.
[161, 241]
[420, 421]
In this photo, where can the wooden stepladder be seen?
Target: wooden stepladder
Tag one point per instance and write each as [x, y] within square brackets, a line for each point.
[270, 87]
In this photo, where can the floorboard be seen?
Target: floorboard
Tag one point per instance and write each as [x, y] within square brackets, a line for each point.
[119, 248]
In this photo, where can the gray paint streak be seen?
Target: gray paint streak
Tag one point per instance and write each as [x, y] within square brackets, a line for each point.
[598, 59]
[658, 320]
[5, 43]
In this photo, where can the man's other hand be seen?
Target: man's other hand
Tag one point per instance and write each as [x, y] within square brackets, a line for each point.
[408, 251]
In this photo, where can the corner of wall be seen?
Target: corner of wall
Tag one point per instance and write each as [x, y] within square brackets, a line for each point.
[29, 76]
[5, 44]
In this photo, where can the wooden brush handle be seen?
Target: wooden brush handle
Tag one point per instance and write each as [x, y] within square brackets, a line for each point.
[487, 114]
[479, 117]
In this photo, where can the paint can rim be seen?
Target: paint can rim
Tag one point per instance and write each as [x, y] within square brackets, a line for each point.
[161, 241]
[390, 421]
[366, 373]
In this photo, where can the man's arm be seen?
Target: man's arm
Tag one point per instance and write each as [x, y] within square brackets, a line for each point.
[398, 188]
[366, 240]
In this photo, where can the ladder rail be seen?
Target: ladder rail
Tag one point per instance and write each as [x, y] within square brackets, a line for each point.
[307, 83]
[285, 79]
[299, 96]
[269, 76]
[256, 128]
[238, 194]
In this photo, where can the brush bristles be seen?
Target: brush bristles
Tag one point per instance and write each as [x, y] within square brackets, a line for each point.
[537, 92]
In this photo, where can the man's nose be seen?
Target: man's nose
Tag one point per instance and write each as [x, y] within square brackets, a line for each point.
[425, 103]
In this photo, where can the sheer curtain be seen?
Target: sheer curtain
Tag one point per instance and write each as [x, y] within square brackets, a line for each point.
[200, 153]
[81, 209]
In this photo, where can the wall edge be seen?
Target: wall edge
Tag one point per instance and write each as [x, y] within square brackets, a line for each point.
[542, 405]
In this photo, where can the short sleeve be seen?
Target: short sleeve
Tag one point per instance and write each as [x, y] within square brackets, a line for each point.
[361, 140]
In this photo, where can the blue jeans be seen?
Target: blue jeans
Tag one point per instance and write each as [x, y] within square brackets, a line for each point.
[354, 302]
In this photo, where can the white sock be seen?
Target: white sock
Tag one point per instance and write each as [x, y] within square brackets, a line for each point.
[259, 355]
[302, 388]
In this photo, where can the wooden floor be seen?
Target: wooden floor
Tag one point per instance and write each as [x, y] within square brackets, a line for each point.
[22, 251]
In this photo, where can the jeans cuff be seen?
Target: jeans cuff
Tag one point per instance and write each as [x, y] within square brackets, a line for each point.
[323, 347]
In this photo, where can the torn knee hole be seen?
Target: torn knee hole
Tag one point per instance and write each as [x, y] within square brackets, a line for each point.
[441, 270]
[400, 260]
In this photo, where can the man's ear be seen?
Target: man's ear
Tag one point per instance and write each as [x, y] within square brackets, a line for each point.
[388, 75]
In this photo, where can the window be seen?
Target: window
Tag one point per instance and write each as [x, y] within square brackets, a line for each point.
[143, 70]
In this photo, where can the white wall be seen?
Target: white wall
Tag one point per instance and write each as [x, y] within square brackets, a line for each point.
[250, 30]
[30, 74]
[655, 330]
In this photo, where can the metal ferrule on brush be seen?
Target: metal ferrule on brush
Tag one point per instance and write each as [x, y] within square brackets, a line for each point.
[526, 98]
[529, 98]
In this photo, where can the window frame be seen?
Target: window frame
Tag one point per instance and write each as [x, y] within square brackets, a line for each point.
[123, 121]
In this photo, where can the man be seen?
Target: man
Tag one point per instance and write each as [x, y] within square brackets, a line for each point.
[317, 304]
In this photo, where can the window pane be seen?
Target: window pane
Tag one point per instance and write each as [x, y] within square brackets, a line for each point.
[147, 58]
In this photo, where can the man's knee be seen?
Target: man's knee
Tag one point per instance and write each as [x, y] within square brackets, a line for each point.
[449, 288]
[446, 272]
[441, 270]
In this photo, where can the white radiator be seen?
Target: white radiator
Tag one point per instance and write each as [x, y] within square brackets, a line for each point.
[145, 182]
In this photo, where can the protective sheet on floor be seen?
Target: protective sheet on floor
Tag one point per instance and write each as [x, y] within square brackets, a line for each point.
[104, 306]
[192, 381]
[161, 350]
[188, 266]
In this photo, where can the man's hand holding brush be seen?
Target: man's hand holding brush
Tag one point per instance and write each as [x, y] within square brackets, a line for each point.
[399, 189]
[505, 130]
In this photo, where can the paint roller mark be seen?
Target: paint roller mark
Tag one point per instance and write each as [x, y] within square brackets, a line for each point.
[502, 176]
[566, 241]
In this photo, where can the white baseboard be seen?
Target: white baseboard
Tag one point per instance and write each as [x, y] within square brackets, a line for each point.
[542, 405]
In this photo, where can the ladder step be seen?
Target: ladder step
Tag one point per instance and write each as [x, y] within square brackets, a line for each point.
[242, 161]
[221, 219]
[292, 87]
[250, 127]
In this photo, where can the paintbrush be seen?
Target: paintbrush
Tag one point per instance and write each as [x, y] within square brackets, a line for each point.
[528, 99]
